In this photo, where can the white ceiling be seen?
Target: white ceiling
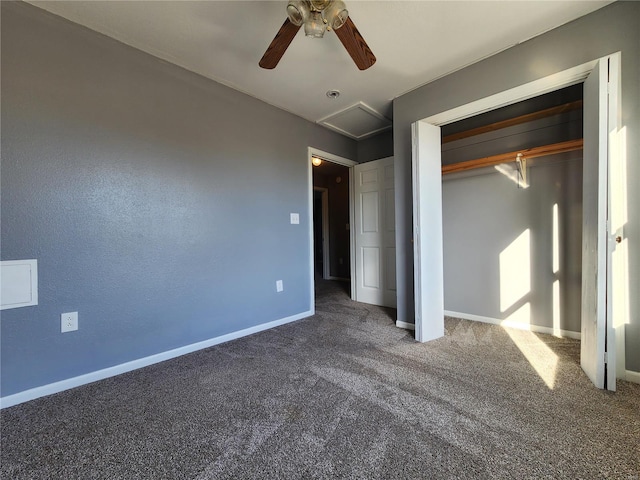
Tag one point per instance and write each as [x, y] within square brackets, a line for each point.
[415, 42]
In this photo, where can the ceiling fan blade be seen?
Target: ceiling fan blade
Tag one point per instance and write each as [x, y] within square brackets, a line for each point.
[355, 45]
[279, 44]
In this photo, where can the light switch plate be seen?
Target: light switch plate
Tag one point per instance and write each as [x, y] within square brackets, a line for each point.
[279, 286]
[295, 218]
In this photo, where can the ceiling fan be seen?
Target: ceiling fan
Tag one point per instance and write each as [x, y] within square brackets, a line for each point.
[317, 16]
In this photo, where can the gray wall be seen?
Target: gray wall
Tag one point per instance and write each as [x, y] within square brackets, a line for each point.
[484, 216]
[376, 147]
[156, 202]
[608, 30]
[545, 131]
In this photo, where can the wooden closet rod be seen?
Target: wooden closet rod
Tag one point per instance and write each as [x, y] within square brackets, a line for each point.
[534, 152]
[548, 112]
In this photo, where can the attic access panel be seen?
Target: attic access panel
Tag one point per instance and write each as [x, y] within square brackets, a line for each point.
[358, 121]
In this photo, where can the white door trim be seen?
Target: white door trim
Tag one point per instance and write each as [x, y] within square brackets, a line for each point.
[565, 78]
[428, 278]
[330, 157]
[326, 268]
[617, 320]
[617, 272]
[532, 89]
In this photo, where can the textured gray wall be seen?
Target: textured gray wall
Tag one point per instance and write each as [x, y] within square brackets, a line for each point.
[484, 215]
[156, 202]
[608, 30]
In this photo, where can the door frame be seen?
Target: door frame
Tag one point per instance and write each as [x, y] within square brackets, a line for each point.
[426, 174]
[326, 268]
[346, 162]
[550, 83]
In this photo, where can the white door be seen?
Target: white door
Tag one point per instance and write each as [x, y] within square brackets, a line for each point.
[374, 236]
[596, 247]
[427, 232]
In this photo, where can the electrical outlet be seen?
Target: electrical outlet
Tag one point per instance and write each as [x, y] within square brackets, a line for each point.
[69, 322]
[295, 219]
[279, 286]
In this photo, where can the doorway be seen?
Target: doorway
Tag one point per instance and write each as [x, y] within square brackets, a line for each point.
[331, 223]
[599, 333]
[513, 253]
[332, 210]
[361, 239]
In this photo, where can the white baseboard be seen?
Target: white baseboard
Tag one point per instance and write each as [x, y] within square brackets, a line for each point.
[405, 325]
[518, 325]
[631, 376]
[69, 383]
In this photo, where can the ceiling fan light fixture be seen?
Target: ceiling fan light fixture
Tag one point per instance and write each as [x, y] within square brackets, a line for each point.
[317, 16]
[314, 26]
[298, 11]
[319, 4]
[336, 14]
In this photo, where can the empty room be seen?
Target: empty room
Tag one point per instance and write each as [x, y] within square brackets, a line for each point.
[319, 239]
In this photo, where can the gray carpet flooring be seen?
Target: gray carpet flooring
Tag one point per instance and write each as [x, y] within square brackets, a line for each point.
[344, 394]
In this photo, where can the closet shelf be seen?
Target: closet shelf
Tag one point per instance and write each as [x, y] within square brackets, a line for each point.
[529, 117]
[528, 153]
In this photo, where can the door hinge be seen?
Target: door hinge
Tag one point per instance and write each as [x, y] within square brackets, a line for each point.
[606, 358]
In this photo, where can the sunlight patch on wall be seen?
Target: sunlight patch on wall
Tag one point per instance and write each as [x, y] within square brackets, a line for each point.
[521, 316]
[516, 171]
[515, 271]
[508, 171]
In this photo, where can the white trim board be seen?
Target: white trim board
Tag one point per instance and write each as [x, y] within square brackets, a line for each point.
[631, 376]
[330, 157]
[405, 325]
[532, 89]
[512, 324]
[37, 392]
